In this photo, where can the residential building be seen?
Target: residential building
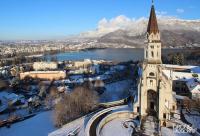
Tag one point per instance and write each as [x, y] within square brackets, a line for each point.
[82, 64]
[48, 75]
[45, 66]
[194, 88]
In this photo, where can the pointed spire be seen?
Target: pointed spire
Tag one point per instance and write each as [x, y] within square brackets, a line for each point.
[152, 25]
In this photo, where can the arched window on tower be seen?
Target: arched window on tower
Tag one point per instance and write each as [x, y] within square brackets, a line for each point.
[152, 54]
[146, 54]
[151, 74]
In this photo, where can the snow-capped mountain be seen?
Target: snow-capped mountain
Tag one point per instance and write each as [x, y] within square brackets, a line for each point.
[125, 32]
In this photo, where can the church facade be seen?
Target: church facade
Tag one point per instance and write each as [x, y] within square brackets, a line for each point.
[155, 95]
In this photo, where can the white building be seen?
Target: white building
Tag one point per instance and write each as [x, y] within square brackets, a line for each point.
[181, 80]
[194, 88]
[45, 66]
[82, 64]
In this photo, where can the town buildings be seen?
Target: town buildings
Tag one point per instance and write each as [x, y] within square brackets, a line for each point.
[82, 64]
[45, 66]
[183, 80]
[48, 75]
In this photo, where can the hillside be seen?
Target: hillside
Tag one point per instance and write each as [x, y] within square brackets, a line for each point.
[123, 32]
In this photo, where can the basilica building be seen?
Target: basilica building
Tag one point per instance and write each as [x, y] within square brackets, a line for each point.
[155, 95]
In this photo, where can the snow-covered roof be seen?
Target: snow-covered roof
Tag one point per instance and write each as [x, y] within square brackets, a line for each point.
[43, 72]
[62, 81]
[11, 96]
[194, 85]
[5, 97]
[181, 76]
[8, 96]
[195, 70]
[181, 67]
[179, 97]
[118, 67]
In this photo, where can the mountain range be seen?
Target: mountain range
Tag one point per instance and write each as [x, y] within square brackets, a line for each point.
[131, 33]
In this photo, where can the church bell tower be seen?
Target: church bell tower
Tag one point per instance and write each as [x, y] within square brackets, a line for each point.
[155, 95]
[152, 53]
[149, 85]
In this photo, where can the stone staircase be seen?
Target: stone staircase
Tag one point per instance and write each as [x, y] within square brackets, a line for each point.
[150, 126]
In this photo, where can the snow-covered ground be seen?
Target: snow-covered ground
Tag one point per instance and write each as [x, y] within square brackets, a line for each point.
[116, 128]
[70, 127]
[116, 91]
[193, 117]
[20, 112]
[40, 125]
[150, 126]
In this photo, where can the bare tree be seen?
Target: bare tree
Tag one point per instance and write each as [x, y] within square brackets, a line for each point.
[196, 104]
[187, 103]
[80, 102]
[192, 104]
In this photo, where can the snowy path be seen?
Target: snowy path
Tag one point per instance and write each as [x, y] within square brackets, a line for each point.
[150, 126]
[115, 128]
[79, 123]
[40, 125]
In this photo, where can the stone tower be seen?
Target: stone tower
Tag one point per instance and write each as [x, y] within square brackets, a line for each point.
[153, 49]
[152, 60]
[155, 96]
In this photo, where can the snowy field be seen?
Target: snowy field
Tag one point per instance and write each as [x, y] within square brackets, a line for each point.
[39, 125]
[42, 124]
[115, 128]
[194, 118]
[70, 127]
[116, 91]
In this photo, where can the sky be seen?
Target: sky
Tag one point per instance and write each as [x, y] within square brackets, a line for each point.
[54, 19]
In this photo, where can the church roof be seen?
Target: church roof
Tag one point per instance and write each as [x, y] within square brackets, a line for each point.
[152, 25]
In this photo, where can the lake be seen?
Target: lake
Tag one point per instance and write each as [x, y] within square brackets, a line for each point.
[124, 54]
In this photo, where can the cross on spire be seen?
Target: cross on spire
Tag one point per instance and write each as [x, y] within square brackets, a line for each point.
[152, 2]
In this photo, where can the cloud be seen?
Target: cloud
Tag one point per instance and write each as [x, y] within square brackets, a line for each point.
[110, 25]
[164, 14]
[137, 26]
[119, 22]
[125, 23]
[161, 13]
[180, 10]
[122, 22]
